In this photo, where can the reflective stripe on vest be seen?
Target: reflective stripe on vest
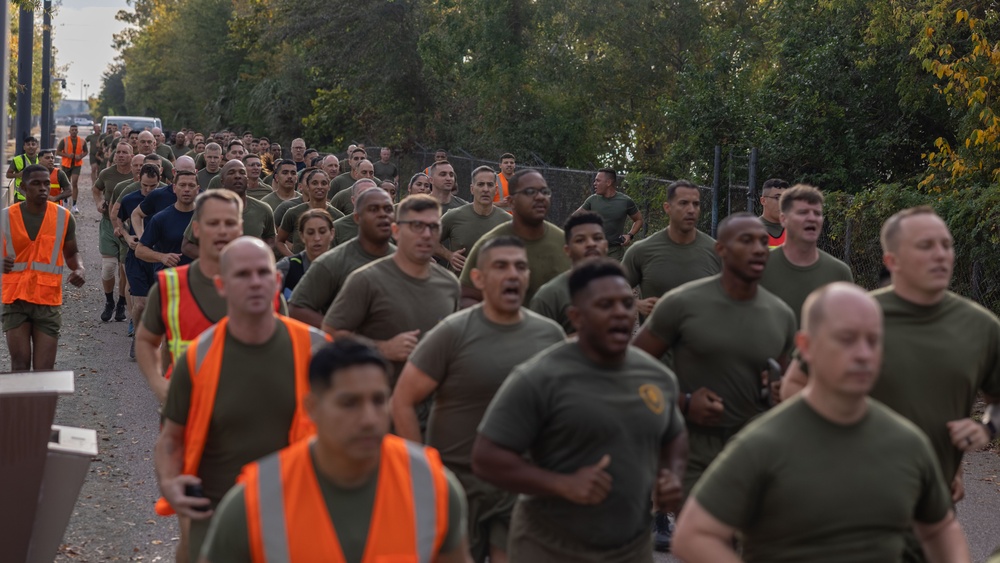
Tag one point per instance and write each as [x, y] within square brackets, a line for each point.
[501, 192]
[54, 187]
[409, 518]
[775, 242]
[21, 162]
[36, 276]
[205, 365]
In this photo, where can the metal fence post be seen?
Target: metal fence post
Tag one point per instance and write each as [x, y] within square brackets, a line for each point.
[752, 180]
[716, 187]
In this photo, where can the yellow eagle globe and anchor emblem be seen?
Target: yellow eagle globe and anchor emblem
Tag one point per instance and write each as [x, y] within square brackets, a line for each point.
[653, 397]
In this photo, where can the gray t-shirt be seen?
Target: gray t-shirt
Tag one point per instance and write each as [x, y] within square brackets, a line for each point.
[658, 264]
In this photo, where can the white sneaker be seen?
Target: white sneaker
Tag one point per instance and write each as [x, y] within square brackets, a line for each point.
[76, 210]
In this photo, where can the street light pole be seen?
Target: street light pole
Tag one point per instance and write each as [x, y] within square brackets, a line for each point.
[47, 133]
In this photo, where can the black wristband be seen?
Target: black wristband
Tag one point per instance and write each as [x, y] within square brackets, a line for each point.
[687, 403]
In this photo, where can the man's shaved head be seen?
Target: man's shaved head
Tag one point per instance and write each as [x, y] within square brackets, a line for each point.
[241, 248]
[833, 297]
[731, 224]
[185, 163]
[364, 196]
[892, 226]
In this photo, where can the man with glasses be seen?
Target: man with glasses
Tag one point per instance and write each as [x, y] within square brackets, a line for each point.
[530, 200]
[771, 198]
[395, 300]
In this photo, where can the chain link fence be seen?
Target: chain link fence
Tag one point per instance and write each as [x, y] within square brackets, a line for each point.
[850, 233]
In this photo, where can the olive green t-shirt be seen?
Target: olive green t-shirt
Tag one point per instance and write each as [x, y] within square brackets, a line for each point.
[385, 170]
[290, 223]
[253, 410]
[935, 359]
[463, 227]
[212, 305]
[553, 299]
[344, 229]
[614, 210]
[792, 284]
[33, 223]
[342, 201]
[205, 178]
[379, 301]
[658, 264]
[106, 182]
[802, 488]
[326, 275]
[773, 229]
[568, 412]
[259, 191]
[546, 258]
[258, 221]
[283, 207]
[350, 513]
[723, 344]
[165, 152]
[93, 144]
[274, 200]
[339, 184]
[122, 190]
[469, 357]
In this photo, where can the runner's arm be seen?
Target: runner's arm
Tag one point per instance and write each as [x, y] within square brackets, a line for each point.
[168, 458]
[411, 389]
[13, 172]
[283, 244]
[306, 315]
[138, 222]
[794, 380]
[147, 355]
[944, 541]
[701, 537]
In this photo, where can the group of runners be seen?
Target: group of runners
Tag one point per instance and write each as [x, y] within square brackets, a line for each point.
[354, 369]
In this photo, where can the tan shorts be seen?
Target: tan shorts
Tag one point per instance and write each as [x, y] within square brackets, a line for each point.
[46, 318]
[532, 541]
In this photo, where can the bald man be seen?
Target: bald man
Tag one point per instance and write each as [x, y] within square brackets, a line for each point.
[346, 227]
[146, 145]
[258, 364]
[722, 331]
[258, 220]
[793, 480]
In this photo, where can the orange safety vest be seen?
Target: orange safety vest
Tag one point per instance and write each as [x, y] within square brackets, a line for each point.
[38, 264]
[287, 518]
[775, 242]
[182, 316]
[205, 366]
[54, 188]
[502, 192]
[74, 150]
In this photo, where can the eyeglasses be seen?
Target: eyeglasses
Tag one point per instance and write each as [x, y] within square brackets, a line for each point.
[771, 196]
[421, 226]
[531, 192]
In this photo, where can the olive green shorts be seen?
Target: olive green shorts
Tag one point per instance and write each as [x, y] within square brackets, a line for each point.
[704, 445]
[616, 251]
[72, 170]
[109, 244]
[46, 318]
[533, 541]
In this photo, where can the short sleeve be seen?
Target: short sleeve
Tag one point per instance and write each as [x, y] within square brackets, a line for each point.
[152, 232]
[350, 308]
[283, 266]
[729, 486]
[178, 402]
[631, 264]
[631, 209]
[228, 540]
[268, 226]
[586, 204]
[287, 223]
[313, 290]
[516, 413]
[432, 353]
[447, 223]
[189, 233]
[152, 317]
[935, 497]
[458, 514]
[70, 229]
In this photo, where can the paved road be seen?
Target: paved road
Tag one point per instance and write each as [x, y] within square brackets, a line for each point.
[114, 519]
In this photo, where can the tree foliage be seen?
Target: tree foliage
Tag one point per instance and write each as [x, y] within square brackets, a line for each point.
[841, 93]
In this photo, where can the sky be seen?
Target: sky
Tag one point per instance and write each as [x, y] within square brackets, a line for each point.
[82, 38]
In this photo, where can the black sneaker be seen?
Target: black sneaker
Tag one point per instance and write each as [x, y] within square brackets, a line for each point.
[663, 532]
[120, 311]
[131, 351]
[109, 308]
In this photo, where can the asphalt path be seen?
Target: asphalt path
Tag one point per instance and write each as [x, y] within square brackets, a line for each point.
[114, 520]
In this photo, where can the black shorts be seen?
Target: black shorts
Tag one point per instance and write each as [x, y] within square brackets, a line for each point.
[140, 275]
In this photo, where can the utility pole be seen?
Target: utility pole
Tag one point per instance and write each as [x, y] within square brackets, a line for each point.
[47, 133]
[25, 41]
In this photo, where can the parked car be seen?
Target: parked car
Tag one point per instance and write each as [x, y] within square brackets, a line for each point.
[134, 122]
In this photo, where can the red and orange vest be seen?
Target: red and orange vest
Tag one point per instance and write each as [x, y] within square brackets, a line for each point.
[74, 149]
[502, 190]
[38, 264]
[774, 242]
[204, 362]
[287, 517]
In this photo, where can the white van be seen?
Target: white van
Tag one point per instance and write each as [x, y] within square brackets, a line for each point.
[134, 122]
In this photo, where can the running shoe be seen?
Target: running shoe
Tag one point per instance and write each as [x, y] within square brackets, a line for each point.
[131, 329]
[663, 532]
[109, 309]
[76, 210]
[120, 311]
[131, 351]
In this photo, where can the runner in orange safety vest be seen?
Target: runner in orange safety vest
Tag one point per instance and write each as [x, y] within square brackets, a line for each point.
[291, 506]
[236, 394]
[38, 241]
